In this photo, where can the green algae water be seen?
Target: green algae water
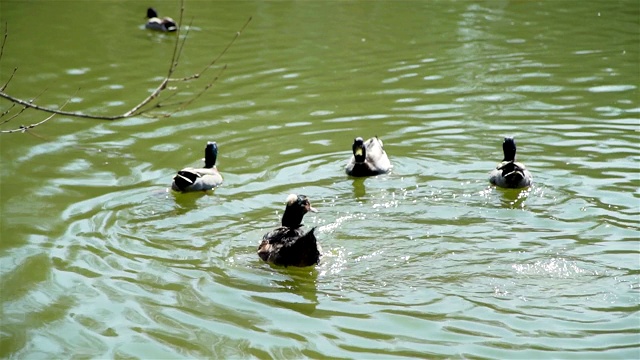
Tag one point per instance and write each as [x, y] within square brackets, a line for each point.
[99, 260]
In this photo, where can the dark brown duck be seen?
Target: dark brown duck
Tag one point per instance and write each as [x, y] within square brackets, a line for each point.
[289, 245]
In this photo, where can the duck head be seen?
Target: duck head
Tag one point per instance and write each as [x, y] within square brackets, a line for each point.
[509, 149]
[359, 150]
[210, 154]
[297, 206]
[151, 13]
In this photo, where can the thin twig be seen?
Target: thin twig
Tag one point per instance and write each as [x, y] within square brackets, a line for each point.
[8, 81]
[186, 36]
[188, 102]
[139, 109]
[14, 115]
[4, 39]
[59, 112]
[162, 104]
[8, 110]
[224, 51]
[23, 128]
[175, 55]
[136, 110]
[23, 109]
[228, 46]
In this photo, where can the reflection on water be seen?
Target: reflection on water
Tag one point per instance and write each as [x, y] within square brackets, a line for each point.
[359, 190]
[515, 198]
[186, 202]
[99, 259]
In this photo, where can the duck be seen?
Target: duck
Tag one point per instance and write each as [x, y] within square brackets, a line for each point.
[200, 179]
[369, 158]
[509, 173]
[165, 24]
[289, 245]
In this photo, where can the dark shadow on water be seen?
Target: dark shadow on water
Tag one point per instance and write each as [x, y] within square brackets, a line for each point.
[298, 281]
[303, 282]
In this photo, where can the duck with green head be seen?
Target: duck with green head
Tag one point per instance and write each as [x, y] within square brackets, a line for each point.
[368, 159]
[200, 179]
[165, 24]
[509, 173]
[289, 245]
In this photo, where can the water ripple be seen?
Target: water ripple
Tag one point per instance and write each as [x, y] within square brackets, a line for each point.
[100, 259]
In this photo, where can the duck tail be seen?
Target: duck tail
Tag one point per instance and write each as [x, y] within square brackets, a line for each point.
[512, 173]
[306, 249]
[184, 179]
[171, 26]
[307, 238]
[508, 167]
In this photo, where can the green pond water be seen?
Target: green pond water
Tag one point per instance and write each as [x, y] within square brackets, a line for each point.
[99, 260]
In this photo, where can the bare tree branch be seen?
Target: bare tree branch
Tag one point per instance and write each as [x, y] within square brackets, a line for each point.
[8, 81]
[57, 111]
[8, 110]
[23, 109]
[224, 51]
[23, 128]
[172, 67]
[188, 102]
[144, 106]
[4, 39]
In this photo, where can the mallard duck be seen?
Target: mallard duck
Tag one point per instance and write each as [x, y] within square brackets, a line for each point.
[202, 179]
[289, 245]
[509, 173]
[162, 24]
[369, 158]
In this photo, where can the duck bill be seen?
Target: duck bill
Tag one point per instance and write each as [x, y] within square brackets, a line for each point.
[358, 152]
[312, 209]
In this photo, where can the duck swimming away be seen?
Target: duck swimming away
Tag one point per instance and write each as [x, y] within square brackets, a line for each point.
[509, 173]
[200, 179]
[368, 159]
[289, 245]
[165, 24]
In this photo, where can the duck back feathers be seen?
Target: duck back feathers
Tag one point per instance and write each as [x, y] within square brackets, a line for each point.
[199, 179]
[510, 173]
[286, 246]
[369, 158]
[289, 245]
[193, 179]
[166, 24]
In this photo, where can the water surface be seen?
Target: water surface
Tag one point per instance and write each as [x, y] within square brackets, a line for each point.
[99, 260]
